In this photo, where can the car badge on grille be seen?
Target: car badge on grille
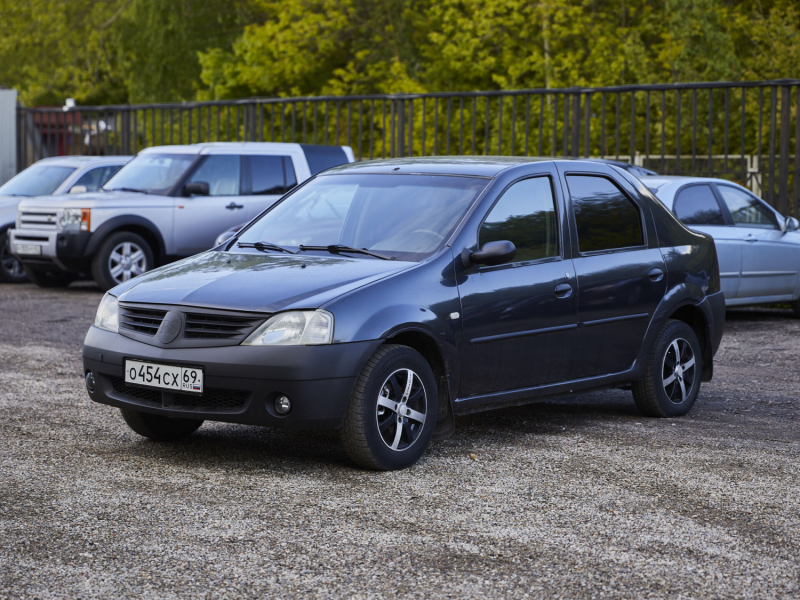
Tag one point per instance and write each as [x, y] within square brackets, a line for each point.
[170, 327]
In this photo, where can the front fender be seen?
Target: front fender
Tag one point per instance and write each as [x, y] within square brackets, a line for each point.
[115, 223]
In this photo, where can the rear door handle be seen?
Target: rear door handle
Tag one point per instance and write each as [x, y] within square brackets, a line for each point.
[233, 206]
[563, 290]
[656, 274]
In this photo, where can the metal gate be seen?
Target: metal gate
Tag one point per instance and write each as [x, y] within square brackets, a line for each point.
[746, 132]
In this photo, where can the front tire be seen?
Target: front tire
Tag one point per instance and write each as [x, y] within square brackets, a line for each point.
[796, 308]
[158, 427]
[11, 270]
[48, 279]
[674, 369]
[392, 411]
[121, 256]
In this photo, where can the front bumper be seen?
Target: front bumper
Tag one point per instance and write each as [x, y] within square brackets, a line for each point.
[240, 382]
[66, 251]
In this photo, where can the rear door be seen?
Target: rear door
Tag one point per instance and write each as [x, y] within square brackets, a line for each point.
[769, 264]
[620, 271]
[697, 207]
[200, 219]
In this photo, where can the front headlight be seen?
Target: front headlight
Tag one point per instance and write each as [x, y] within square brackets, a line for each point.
[108, 314]
[76, 219]
[295, 328]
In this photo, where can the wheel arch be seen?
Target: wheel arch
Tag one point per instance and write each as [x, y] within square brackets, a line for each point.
[134, 224]
[693, 316]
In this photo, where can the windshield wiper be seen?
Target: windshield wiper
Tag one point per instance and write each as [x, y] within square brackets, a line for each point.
[125, 189]
[337, 248]
[265, 246]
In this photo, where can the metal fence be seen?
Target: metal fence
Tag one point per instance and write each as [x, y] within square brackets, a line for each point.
[746, 132]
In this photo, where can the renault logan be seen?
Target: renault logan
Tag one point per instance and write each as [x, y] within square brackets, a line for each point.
[385, 298]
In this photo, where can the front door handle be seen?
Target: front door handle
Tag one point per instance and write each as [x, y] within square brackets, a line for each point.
[563, 290]
[656, 274]
[233, 206]
[750, 238]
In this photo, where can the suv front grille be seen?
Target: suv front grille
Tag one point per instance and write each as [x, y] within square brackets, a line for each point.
[211, 399]
[141, 320]
[211, 326]
[38, 220]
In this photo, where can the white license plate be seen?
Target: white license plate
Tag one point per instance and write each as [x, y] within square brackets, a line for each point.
[168, 377]
[29, 249]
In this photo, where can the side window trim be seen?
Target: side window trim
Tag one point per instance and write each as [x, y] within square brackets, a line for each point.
[559, 231]
[639, 208]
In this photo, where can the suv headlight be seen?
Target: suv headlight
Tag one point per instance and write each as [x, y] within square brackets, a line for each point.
[76, 219]
[108, 314]
[294, 328]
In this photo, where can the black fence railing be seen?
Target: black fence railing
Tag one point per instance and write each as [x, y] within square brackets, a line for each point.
[746, 132]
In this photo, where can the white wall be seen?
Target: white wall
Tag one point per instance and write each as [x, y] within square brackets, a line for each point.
[8, 134]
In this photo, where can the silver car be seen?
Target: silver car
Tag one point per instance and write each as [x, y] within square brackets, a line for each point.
[49, 176]
[758, 248]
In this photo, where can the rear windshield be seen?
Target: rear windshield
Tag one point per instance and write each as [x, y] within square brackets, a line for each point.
[152, 173]
[37, 180]
[405, 216]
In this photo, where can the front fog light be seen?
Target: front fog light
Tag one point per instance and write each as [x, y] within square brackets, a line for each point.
[283, 405]
[90, 382]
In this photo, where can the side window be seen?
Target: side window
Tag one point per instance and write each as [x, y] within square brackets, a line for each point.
[746, 210]
[221, 173]
[606, 218]
[288, 170]
[525, 215]
[266, 175]
[697, 205]
[95, 178]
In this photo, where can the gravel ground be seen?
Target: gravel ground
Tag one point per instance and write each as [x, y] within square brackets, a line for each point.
[575, 498]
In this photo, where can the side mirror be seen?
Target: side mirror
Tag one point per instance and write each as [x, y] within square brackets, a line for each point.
[492, 253]
[791, 224]
[196, 188]
[78, 189]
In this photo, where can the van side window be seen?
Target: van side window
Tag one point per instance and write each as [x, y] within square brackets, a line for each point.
[526, 216]
[697, 205]
[270, 175]
[606, 218]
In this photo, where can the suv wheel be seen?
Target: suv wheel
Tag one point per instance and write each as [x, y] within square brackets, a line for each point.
[122, 256]
[392, 412]
[672, 381]
[10, 268]
[796, 308]
[158, 427]
[48, 279]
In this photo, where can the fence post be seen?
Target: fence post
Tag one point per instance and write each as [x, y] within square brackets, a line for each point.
[783, 171]
[576, 126]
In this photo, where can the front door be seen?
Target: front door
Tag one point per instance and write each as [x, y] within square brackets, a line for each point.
[621, 279]
[200, 219]
[518, 317]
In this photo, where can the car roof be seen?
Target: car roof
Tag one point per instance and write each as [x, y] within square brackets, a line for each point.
[83, 161]
[208, 147]
[665, 187]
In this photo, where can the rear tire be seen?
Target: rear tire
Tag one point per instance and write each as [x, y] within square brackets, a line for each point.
[10, 268]
[122, 256]
[796, 308]
[158, 427]
[392, 412]
[48, 278]
[674, 369]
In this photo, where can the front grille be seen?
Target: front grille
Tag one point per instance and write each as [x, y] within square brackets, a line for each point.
[133, 391]
[211, 326]
[210, 399]
[38, 220]
[141, 320]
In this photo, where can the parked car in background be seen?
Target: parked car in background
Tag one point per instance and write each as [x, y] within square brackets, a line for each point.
[383, 298]
[169, 202]
[759, 249]
[49, 176]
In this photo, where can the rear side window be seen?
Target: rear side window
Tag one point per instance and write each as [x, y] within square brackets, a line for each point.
[697, 205]
[526, 216]
[606, 218]
[746, 210]
[269, 175]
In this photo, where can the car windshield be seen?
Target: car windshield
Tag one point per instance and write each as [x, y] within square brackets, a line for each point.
[152, 173]
[405, 216]
[37, 180]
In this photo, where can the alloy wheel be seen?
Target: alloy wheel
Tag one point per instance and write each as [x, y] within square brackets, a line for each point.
[401, 409]
[10, 264]
[678, 371]
[126, 260]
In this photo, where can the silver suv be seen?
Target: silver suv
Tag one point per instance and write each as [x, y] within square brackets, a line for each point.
[49, 176]
[168, 203]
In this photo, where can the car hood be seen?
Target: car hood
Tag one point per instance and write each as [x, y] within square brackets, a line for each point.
[89, 200]
[255, 282]
[6, 201]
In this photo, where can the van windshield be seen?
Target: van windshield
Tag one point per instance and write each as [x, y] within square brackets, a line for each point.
[37, 180]
[405, 216]
[151, 173]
